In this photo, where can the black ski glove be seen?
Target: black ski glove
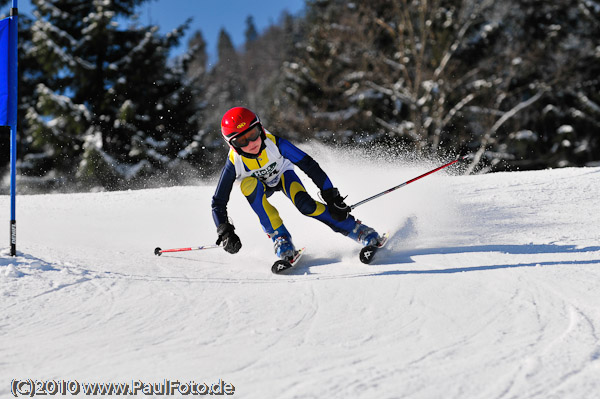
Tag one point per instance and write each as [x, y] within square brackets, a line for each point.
[335, 202]
[231, 242]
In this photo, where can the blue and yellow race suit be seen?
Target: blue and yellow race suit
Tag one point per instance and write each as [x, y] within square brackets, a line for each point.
[273, 170]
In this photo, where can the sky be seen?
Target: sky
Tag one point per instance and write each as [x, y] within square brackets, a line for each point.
[209, 16]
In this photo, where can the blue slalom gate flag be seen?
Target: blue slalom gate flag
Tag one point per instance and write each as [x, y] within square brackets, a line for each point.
[4, 60]
[8, 104]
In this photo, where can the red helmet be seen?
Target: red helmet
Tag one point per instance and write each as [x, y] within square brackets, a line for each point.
[236, 121]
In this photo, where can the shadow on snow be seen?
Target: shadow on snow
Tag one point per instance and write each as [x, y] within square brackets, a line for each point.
[405, 257]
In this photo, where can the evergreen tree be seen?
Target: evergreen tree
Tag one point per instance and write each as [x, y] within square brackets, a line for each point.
[230, 83]
[197, 58]
[111, 105]
[316, 67]
[227, 87]
[205, 151]
[264, 74]
[251, 34]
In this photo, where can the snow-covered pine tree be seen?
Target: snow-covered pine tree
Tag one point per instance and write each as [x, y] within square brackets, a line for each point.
[111, 110]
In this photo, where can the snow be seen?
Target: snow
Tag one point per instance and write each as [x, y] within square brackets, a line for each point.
[488, 288]
[526, 135]
[565, 129]
[337, 115]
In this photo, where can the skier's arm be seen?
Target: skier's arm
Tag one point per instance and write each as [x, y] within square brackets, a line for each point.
[222, 193]
[304, 162]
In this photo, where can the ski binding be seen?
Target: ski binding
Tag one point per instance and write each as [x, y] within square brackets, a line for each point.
[281, 266]
[368, 253]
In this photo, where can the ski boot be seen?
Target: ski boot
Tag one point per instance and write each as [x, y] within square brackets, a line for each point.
[364, 234]
[282, 244]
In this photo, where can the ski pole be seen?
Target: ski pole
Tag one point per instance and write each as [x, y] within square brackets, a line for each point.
[158, 251]
[407, 182]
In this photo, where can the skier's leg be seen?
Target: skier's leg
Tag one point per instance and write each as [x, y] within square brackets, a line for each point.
[294, 189]
[256, 194]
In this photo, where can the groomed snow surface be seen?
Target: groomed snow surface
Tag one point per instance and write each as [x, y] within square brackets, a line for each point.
[488, 288]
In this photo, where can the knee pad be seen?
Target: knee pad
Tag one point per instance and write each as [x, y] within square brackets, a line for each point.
[306, 205]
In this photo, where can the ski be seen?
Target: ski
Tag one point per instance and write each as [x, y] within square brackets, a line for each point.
[281, 266]
[368, 253]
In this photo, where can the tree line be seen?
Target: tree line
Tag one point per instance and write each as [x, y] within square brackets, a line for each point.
[102, 105]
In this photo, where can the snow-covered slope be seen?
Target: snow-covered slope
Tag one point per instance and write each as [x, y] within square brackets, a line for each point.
[488, 288]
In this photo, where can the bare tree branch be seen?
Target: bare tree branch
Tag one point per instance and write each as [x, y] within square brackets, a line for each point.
[492, 131]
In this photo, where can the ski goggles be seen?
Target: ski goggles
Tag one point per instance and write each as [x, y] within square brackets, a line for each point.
[244, 138]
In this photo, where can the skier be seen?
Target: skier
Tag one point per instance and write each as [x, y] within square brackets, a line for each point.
[264, 163]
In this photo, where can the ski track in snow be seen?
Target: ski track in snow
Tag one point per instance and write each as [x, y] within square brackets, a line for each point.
[488, 288]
